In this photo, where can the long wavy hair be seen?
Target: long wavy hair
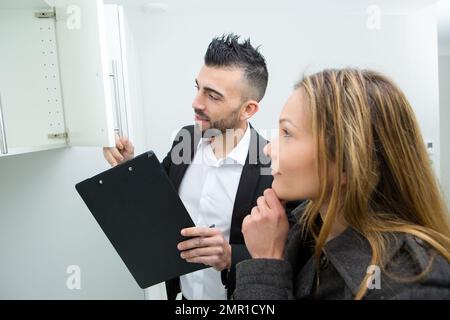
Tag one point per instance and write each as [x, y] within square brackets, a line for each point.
[364, 125]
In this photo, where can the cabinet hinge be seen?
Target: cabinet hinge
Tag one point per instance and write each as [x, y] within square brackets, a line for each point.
[45, 14]
[62, 135]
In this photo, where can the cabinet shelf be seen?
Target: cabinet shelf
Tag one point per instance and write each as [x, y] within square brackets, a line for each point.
[56, 75]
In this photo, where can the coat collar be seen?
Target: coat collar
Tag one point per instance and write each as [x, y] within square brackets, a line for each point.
[351, 254]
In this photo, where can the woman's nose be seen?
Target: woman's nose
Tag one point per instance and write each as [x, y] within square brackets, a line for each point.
[271, 149]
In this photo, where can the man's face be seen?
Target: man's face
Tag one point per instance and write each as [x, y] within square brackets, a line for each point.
[219, 99]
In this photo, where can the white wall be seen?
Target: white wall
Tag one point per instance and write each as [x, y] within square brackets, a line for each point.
[444, 90]
[296, 37]
[444, 27]
[45, 227]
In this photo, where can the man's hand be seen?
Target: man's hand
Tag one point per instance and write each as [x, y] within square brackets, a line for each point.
[123, 151]
[208, 247]
[266, 228]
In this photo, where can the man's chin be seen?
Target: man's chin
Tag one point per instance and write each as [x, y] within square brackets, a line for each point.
[207, 131]
[202, 125]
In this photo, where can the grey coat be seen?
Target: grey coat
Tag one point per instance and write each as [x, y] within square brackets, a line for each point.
[342, 269]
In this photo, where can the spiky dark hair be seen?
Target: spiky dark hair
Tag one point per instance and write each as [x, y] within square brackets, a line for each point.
[227, 51]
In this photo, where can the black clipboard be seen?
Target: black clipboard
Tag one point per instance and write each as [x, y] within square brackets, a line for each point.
[142, 215]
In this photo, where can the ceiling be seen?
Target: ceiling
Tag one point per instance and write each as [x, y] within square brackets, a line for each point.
[387, 7]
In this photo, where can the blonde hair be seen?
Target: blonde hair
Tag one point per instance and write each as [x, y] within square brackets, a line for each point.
[364, 124]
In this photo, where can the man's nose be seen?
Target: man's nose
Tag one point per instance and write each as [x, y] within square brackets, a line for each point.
[198, 103]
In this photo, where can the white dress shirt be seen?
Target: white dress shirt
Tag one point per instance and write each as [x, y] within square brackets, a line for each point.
[208, 191]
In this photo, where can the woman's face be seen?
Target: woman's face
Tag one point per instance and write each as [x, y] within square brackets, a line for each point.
[293, 152]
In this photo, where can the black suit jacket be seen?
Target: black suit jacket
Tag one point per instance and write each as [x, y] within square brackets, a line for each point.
[251, 185]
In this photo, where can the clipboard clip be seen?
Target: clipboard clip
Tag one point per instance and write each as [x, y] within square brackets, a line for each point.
[129, 169]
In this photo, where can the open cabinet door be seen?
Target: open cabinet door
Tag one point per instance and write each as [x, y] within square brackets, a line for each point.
[83, 57]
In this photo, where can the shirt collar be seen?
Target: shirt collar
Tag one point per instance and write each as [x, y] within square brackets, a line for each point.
[239, 153]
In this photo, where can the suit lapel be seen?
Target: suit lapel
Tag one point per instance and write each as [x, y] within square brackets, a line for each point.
[248, 183]
[179, 171]
[244, 196]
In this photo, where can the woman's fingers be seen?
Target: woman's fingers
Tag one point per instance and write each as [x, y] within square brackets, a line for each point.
[262, 204]
[255, 211]
[272, 200]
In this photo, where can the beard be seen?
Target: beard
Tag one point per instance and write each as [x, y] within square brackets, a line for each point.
[220, 126]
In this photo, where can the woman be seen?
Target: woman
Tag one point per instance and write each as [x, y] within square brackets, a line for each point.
[378, 225]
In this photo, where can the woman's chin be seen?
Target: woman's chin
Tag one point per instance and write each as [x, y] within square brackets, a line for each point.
[285, 193]
[278, 190]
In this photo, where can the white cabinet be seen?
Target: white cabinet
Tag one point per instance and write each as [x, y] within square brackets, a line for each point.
[57, 87]
[119, 69]
[30, 90]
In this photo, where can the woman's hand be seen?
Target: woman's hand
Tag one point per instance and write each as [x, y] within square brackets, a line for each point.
[266, 228]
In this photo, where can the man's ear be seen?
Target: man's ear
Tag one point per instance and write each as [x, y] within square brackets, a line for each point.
[249, 109]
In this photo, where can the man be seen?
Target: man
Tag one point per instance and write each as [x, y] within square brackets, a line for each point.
[217, 166]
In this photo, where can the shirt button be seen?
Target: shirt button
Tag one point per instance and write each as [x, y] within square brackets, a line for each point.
[419, 241]
[323, 262]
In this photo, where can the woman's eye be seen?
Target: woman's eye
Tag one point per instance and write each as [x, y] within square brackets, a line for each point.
[285, 133]
[196, 87]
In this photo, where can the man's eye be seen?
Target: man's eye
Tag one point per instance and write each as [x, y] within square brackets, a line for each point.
[213, 97]
[197, 87]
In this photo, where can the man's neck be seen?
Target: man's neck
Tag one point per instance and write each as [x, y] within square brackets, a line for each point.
[222, 145]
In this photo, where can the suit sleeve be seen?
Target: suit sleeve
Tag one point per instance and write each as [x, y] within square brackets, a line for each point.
[167, 162]
[240, 253]
[264, 279]
[182, 134]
